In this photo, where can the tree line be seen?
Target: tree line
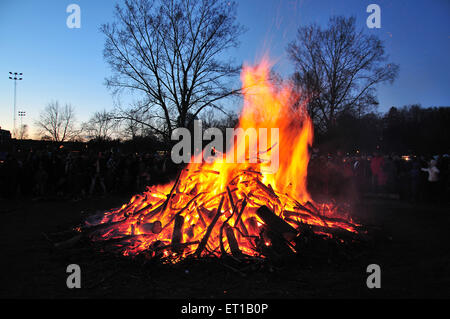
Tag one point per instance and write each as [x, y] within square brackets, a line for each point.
[406, 130]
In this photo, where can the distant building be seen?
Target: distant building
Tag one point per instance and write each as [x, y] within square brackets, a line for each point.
[5, 136]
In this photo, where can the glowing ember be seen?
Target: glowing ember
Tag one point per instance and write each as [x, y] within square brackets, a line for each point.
[215, 208]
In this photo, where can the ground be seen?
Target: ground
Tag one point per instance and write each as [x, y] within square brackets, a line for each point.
[411, 247]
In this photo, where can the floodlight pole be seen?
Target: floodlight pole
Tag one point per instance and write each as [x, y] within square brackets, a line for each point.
[21, 115]
[16, 77]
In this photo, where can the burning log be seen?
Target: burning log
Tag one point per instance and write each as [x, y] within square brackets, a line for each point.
[244, 203]
[268, 191]
[252, 224]
[287, 214]
[151, 213]
[278, 246]
[232, 242]
[312, 207]
[233, 209]
[154, 227]
[182, 210]
[99, 227]
[230, 197]
[275, 223]
[278, 232]
[177, 234]
[200, 216]
[175, 185]
[326, 221]
[205, 238]
[317, 229]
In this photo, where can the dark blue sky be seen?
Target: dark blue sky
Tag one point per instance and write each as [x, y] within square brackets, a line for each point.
[67, 64]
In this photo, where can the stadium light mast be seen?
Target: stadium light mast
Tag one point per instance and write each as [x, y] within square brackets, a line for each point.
[21, 114]
[16, 77]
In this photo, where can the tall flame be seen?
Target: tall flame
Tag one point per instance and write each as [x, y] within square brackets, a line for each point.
[189, 216]
[265, 105]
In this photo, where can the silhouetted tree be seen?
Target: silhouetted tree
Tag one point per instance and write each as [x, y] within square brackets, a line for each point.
[100, 126]
[337, 69]
[57, 123]
[417, 129]
[23, 132]
[172, 52]
[409, 129]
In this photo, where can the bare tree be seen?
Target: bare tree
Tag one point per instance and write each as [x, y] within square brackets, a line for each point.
[211, 119]
[130, 128]
[23, 132]
[338, 68]
[100, 126]
[57, 123]
[172, 52]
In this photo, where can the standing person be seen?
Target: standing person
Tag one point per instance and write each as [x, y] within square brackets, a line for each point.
[390, 171]
[358, 173]
[111, 167]
[378, 176]
[99, 173]
[415, 179]
[41, 178]
[433, 179]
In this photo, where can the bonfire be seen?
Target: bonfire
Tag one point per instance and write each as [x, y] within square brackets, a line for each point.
[244, 209]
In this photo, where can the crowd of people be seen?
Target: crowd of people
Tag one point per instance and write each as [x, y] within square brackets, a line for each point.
[80, 174]
[414, 178]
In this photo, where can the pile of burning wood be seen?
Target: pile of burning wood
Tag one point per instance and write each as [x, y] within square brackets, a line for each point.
[241, 223]
[235, 209]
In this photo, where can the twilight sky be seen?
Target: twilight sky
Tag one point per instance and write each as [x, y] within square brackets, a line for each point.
[67, 65]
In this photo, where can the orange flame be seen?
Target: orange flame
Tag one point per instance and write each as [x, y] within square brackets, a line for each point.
[182, 218]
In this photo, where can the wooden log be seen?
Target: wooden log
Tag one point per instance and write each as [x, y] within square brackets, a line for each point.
[206, 213]
[287, 213]
[303, 208]
[171, 192]
[119, 240]
[230, 198]
[279, 244]
[232, 242]
[233, 209]
[275, 223]
[94, 228]
[267, 190]
[313, 213]
[200, 216]
[181, 210]
[334, 232]
[243, 228]
[238, 218]
[151, 228]
[157, 227]
[148, 212]
[252, 224]
[205, 238]
[325, 219]
[177, 235]
[189, 203]
[190, 231]
[312, 207]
